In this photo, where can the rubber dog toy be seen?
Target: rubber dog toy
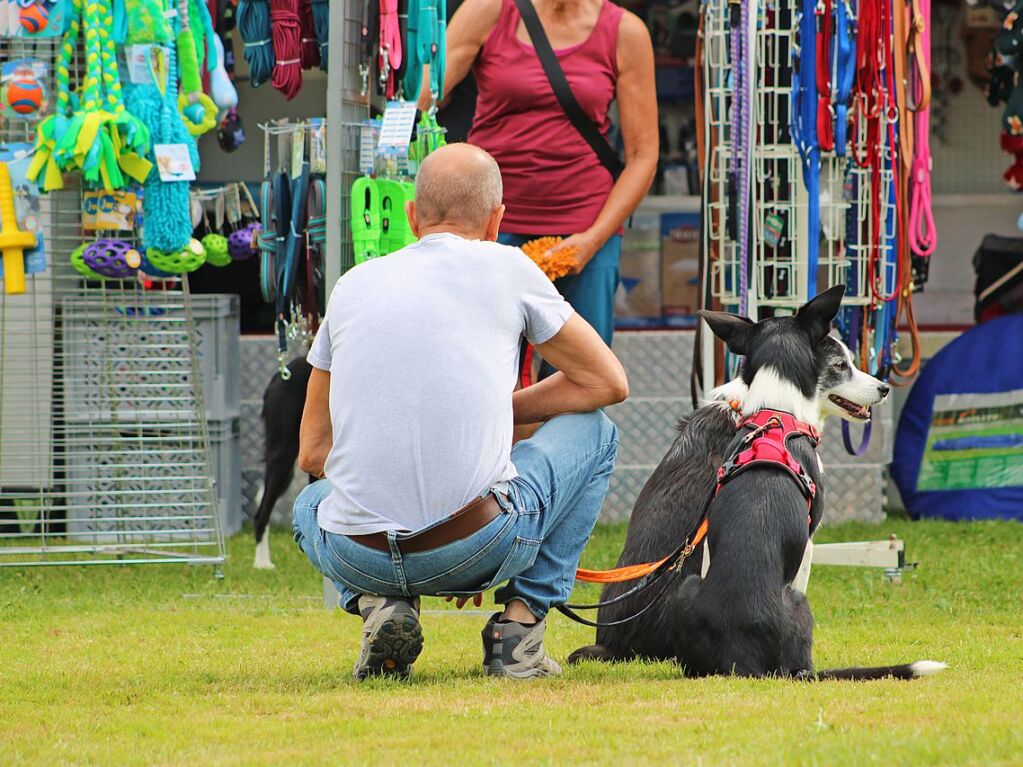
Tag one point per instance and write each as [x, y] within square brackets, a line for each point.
[554, 265]
[197, 109]
[34, 18]
[13, 241]
[216, 250]
[25, 96]
[78, 262]
[240, 243]
[188, 259]
[115, 259]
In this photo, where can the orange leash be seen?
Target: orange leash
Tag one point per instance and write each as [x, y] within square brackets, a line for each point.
[634, 572]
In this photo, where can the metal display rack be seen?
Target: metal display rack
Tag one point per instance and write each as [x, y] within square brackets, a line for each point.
[778, 274]
[104, 445]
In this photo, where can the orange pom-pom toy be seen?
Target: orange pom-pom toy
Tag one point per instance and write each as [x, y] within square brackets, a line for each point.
[554, 265]
[34, 18]
[25, 96]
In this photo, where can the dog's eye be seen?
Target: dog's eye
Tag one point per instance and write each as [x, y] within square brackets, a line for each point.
[843, 366]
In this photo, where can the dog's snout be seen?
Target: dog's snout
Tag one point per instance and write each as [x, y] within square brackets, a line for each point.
[883, 390]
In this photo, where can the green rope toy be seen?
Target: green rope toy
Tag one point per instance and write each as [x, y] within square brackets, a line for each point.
[99, 138]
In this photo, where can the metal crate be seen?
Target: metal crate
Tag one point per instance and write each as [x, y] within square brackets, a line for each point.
[145, 377]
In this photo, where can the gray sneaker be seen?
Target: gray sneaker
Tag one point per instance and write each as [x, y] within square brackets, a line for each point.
[391, 636]
[516, 651]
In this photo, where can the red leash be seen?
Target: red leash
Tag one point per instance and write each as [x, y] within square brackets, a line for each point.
[825, 109]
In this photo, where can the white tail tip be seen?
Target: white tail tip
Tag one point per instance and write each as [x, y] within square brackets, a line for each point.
[927, 667]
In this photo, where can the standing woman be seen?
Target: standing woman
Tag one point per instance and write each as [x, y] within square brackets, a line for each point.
[554, 183]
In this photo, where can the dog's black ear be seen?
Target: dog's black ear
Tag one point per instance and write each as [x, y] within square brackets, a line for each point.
[817, 313]
[733, 329]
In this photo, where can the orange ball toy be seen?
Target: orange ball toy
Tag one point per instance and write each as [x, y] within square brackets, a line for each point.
[25, 96]
[34, 18]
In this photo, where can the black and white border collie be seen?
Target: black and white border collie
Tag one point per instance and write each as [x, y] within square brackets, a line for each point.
[744, 611]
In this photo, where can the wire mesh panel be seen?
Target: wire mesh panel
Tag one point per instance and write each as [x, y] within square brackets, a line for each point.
[104, 446]
[779, 203]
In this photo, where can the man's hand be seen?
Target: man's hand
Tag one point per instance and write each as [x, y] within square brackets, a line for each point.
[460, 602]
[586, 245]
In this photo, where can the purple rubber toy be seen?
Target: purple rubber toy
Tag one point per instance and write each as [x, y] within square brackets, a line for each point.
[115, 259]
[239, 243]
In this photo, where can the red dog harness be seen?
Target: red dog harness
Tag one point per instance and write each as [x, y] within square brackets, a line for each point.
[766, 444]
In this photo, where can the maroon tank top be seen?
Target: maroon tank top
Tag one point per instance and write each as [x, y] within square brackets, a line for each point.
[553, 181]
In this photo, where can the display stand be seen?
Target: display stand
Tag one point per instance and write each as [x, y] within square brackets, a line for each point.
[104, 445]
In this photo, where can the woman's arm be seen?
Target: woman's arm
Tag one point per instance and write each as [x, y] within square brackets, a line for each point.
[468, 30]
[637, 111]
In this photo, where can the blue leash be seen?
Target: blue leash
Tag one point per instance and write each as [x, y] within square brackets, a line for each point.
[803, 127]
[845, 68]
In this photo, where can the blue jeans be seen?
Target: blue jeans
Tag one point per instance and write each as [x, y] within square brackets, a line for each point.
[591, 292]
[534, 545]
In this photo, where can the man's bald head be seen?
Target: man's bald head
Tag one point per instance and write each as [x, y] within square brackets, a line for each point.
[458, 185]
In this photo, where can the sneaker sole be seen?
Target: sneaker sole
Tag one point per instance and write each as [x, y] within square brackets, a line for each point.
[394, 649]
[498, 669]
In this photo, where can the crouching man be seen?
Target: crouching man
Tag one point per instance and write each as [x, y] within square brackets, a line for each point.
[409, 418]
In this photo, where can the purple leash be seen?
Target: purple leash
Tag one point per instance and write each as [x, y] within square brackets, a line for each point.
[744, 159]
[864, 439]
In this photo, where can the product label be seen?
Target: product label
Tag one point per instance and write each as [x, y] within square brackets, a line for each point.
[108, 211]
[975, 441]
[396, 132]
[174, 162]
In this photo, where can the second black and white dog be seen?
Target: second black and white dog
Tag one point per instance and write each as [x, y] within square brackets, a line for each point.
[744, 612]
[283, 402]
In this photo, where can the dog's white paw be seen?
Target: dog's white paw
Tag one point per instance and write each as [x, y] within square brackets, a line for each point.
[262, 561]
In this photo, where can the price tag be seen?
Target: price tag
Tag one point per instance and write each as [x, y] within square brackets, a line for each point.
[396, 132]
[173, 162]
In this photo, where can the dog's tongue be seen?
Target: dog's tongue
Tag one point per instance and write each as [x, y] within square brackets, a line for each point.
[863, 413]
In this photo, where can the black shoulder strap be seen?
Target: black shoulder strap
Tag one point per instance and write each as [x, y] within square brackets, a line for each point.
[563, 92]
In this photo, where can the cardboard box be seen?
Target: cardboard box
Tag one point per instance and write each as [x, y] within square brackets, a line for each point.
[680, 264]
[638, 299]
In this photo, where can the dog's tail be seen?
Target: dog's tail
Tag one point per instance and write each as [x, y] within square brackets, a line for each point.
[591, 652]
[904, 671]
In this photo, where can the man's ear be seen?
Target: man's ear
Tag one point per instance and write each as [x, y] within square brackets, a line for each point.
[817, 314]
[413, 218]
[494, 224]
[734, 330]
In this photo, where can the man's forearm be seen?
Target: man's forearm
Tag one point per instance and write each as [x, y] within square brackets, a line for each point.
[557, 395]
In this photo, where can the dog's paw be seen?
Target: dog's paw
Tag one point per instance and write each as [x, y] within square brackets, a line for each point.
[262, 561]
[590, 652]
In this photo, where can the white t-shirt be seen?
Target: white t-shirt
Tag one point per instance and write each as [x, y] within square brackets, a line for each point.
[422, 347]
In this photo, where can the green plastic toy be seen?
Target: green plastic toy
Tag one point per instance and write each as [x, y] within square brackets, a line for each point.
[216, 250]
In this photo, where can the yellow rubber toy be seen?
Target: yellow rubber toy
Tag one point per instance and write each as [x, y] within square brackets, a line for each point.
[13, 241]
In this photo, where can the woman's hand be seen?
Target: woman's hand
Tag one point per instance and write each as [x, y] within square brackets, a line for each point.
[586, 245]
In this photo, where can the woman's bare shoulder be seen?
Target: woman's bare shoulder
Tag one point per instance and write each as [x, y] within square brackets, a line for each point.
[477, 16]
[633, 38]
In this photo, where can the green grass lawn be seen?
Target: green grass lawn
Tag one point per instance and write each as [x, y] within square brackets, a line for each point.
[165, 665]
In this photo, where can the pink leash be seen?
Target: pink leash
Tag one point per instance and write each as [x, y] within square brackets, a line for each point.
[390, 46]
[923, 236]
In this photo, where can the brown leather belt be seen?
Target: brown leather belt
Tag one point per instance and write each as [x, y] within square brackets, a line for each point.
[461, 524]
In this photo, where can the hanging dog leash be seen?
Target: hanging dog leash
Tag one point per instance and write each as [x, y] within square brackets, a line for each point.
[389, 50]
[845, 71]
[923, 237]
[803, 129]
